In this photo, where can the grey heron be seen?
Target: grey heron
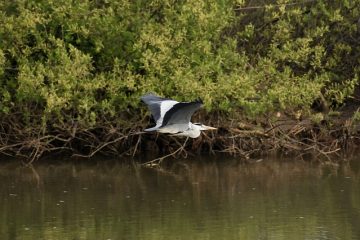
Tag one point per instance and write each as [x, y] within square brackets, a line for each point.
[174, 117]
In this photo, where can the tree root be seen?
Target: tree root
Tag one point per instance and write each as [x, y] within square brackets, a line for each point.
[157, 161]
[297, 137]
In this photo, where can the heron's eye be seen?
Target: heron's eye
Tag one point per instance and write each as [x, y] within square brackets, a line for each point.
[198, 124]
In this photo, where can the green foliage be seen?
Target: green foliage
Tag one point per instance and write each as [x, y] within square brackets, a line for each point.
[86, 60]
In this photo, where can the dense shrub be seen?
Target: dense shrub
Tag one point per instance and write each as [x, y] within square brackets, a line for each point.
[89, 60]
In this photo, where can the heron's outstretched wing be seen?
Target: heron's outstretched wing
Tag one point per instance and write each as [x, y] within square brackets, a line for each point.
[158, 106]
[181, 113]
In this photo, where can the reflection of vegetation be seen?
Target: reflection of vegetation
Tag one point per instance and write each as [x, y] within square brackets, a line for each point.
[67, 66]
[267, 200]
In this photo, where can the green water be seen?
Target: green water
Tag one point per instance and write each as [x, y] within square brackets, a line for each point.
[271, 199]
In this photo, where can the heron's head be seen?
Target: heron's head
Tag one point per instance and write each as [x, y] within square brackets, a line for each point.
[203, 127]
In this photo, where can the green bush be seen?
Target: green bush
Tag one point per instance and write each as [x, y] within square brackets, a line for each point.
[90, 60]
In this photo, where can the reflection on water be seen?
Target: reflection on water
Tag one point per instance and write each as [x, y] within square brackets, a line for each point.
[192, 200]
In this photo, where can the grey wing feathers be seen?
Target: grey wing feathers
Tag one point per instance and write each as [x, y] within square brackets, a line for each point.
[181, 113]
[154, 103]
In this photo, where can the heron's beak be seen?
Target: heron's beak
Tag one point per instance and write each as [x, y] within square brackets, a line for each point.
[208, 128]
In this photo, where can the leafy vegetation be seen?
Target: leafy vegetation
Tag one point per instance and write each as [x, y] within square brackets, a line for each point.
[87, 61]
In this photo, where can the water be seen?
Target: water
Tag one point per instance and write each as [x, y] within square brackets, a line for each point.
[271, 199]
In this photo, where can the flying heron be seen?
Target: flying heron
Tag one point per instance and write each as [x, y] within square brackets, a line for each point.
[174, 117]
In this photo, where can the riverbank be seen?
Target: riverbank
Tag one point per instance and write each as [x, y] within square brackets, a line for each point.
[318, 134]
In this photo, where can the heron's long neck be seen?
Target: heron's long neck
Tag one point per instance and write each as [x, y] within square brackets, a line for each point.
[194, 131]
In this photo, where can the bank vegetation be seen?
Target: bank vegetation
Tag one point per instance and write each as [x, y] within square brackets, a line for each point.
[273, 74]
